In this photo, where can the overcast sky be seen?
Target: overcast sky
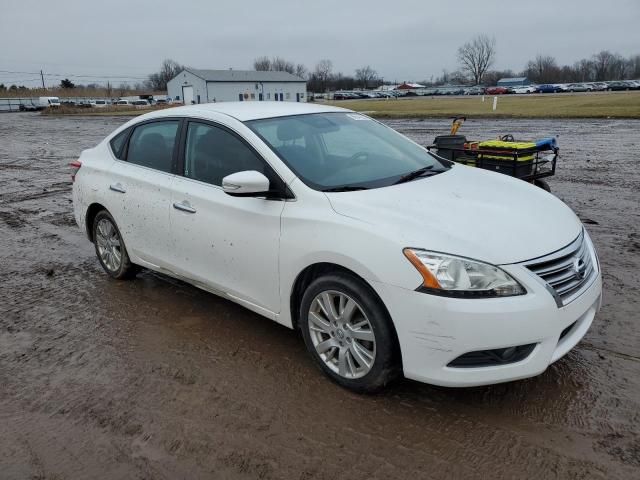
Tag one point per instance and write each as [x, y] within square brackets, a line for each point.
[408, 40]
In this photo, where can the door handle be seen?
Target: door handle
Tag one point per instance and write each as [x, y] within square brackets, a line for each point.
[184, 206]
[117, 187]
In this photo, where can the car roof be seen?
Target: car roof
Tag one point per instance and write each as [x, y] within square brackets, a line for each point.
[244, 111]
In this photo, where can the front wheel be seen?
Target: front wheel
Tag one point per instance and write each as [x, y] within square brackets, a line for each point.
[348, 332]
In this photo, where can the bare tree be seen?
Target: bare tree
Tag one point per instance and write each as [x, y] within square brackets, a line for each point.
[279, 64]
[262, 64]
[602, 64]
[323, 72]
[158, 81]
[543, 69]
[477, 56]
[301, 71]
[276, 64]
[583, 70]
[365, 75]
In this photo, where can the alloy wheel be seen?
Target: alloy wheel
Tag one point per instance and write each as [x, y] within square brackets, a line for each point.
[109, 245]
[341, 334]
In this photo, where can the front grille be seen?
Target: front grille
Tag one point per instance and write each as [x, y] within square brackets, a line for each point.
[566, 272]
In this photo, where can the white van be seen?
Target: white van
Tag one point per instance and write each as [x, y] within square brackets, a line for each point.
[46, 102]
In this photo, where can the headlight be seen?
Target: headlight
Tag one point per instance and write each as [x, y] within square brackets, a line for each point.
[461, 277]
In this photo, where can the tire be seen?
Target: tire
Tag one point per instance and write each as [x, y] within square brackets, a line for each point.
[349, 358]
[110, 249]
[542, 184]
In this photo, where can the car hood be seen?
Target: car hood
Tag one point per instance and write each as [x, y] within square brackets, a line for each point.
[468, 212]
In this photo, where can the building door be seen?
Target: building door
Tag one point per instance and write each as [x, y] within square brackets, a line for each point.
[297, 97]
[187, 95]
[240, 98]
[282, 97]
[260, 97]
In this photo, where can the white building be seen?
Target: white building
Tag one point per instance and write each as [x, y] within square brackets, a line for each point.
[204, 86]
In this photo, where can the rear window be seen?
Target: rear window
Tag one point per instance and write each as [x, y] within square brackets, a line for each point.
[151, 145]
[118, 142]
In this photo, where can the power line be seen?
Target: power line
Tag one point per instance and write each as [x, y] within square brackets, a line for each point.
[71, 75]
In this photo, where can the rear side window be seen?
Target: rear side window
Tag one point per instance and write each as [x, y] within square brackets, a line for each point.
[151, 145]
[117, 144]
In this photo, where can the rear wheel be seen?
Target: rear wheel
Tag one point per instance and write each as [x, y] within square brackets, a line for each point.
[110, 249]
[348, 333]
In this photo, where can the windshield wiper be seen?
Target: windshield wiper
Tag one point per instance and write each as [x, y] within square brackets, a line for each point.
[424, 171]
[345, 188]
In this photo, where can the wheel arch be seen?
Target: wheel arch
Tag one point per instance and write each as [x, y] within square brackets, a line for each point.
[92, 211]
[315, 270]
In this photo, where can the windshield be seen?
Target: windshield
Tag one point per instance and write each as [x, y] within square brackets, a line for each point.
[334, 150]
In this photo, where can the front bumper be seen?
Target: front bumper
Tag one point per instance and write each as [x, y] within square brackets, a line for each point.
[434, 330]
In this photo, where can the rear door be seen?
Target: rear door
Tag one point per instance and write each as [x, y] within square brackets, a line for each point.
[141, 190]
[228, 244]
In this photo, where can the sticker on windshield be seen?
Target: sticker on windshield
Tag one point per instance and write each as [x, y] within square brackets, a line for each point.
[357, 116]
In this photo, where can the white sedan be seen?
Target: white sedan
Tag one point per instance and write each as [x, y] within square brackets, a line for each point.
[387, 259]
[524, 89]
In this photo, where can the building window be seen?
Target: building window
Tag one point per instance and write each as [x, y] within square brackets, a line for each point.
[288, 95]
[253, 96]
[268, 96]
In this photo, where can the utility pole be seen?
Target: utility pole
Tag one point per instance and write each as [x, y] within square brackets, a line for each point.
[42, 77]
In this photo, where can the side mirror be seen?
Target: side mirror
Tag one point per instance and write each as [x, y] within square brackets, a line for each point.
[249, 183]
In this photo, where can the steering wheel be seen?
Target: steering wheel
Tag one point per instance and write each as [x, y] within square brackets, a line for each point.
[354, 159]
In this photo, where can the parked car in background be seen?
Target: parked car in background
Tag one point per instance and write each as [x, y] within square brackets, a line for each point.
[122, 103]
[524, 89]
[547, 88]
[46, 102]
[475, 90]
[140, 103]
[314, 217]
[599, 86]
[579, 87]
[344, 96]
[620, 85]
[496, 90]
[100, 104]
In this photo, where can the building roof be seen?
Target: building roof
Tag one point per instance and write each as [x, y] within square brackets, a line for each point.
[409, 86]
[243, 76]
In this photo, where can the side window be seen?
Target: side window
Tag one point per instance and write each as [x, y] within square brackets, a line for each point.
[151, 145]
[212, 153]
[117, 144]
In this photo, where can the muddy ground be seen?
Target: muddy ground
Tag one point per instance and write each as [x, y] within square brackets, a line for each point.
[155, 379]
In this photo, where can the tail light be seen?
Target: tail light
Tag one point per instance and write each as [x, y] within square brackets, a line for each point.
[75, 165]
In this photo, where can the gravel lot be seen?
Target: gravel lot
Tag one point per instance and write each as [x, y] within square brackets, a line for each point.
[157, 379]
